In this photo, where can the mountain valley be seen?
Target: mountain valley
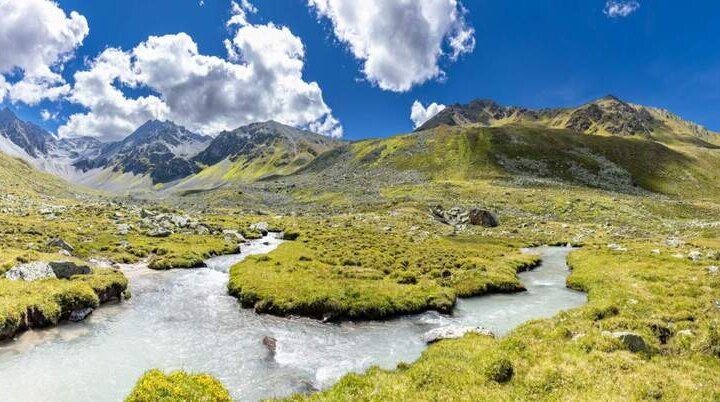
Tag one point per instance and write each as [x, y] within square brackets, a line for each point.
[377, 229]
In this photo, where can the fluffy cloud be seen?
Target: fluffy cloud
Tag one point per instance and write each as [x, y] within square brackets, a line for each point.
[419, 114]
[240, 12]
[400, 42]
[36, 38]
[260, 80]
[46, 115]
[620, 8]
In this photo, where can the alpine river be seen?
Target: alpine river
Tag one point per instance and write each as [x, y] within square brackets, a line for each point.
[184, 319]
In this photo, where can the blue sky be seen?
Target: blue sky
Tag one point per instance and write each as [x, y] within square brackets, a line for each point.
[527, 52]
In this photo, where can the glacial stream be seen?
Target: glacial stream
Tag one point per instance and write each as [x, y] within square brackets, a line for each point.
[184, 319]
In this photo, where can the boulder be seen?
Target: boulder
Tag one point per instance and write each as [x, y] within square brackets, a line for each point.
[31, 271]
[233, 235]
[695, 255]
[79, 315]
[454, 331]
[123, 229]
[67, 269]
[270, 343]
[632, 341]
[482, 217]
[180, 221]
[261, 227]
[201, 229]
[58, 242]
[459, 217]
[159, 232]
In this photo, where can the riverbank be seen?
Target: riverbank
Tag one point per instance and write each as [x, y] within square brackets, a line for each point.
[649, 331]
[41, 304]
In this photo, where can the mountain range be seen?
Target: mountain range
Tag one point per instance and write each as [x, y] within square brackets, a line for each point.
[607, 115]
[162, 153]
[596, 144]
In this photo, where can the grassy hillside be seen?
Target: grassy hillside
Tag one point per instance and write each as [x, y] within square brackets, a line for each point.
[17, 177]
[625, 164]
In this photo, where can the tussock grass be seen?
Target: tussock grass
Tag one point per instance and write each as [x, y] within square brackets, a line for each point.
[567, 357]
[155, 386]
[350, 269]
[44, 303]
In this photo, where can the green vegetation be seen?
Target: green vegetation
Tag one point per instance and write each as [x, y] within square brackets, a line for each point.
[361, 244]
[669, 301]
[155, 386]
[614, 163]
[182, 251]
[349, 267]
[44, 303]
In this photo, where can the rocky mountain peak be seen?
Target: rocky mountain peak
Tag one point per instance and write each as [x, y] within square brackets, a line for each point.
[6, 116]
[608, 115]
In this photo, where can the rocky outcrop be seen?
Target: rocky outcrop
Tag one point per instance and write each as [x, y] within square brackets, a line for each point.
[165, 224]
[58, 242]
[459, 217]
[159, 232]
[261, 227]
[68, 269]
[38, 270]
[453, 332]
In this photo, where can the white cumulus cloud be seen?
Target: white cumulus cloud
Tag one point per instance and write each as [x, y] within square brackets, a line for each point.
[420, 114]
[400, 42]
[240, 12]
[36, 38]
[260, 80]
[46, 115]
[620, 8]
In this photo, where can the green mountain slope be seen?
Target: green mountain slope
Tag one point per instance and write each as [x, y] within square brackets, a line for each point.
[625, 164]
[18, 178]
[253, 152]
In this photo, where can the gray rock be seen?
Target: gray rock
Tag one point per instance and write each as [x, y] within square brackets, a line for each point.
[695, 255]
[123, 229]
[616, 247]
[261, 227]
[674, 242]
[180, 221]
[482, 217]
[159, 232]
[454, 331]
[58, 242]
[270, 343]
[685, 332]
[713, 269]
[201, 229]
[233, 235]
[79, 315]
[632, 341]
[67, 269]
[460, 217]
[31, 271]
